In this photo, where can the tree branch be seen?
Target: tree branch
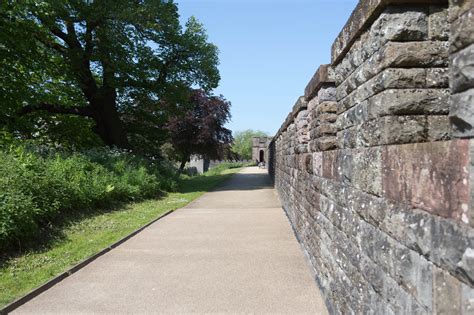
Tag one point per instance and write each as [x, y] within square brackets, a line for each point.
[55, 30]
[51, 44]
[56, 109]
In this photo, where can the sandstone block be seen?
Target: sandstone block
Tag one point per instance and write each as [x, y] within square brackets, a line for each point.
[327, 107]
[367, 170]
[467, 299]
[452, 246]
[392, 129]
[462, 69]
[447, 293]
[459, 7]
[424, 54]
[409, 102]
[439, 128]
[329, 165]
[437, 78]
[401, 24]
[326, 93]
[325, 129]
[461, 31]
[389, 78]
[347, 138]
[461, 114]
[429, 176]
[413, 54]
[327, 143]
[438, 23]
[327, 117]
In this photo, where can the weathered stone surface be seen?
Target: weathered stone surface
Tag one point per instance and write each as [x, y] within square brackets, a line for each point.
[413, 54]
[409, 102]
[327, 143]
[461, 114]
[327, 117]
[318, 163]
[361, 16]
[438, 23]
[423, 54]
[384, 208]
[467, 299]
[438, 128]
[325, 129]
[312, 103]
[320, 77]
[367, 170]
[447, 293]
[388, 78]
[392, 129]
[437, 78]
[429, 176]
[401, 24]
[462, 33]
[458, 8]
[327, 107]
[327, 92]
[330, 166]
[462, 69]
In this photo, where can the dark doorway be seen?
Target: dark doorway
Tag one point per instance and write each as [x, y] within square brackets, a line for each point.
[262, 156]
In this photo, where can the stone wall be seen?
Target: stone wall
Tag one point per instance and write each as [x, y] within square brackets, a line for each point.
[373, 164]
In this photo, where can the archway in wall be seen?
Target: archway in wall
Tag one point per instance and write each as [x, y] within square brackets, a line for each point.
[262, 156]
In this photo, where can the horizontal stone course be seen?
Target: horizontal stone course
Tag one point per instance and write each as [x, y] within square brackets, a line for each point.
[365, 12]
[379, 190]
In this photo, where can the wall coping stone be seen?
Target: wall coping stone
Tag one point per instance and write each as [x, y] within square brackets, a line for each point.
[300, 105]
[363, 15]
[321, 76]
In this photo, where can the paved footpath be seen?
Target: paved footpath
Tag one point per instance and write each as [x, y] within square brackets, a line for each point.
[230, 251]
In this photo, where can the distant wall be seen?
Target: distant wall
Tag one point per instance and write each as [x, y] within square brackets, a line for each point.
[373, 164]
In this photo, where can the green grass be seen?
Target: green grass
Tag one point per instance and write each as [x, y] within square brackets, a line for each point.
[80, 236]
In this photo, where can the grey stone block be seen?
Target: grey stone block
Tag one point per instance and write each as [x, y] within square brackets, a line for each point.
[438, 23]
[462, 33]
[462, 69]
[461, 114]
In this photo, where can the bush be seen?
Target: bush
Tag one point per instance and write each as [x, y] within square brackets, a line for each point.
[37, 186]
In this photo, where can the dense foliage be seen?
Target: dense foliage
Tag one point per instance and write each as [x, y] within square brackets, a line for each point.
[38, 184]
[119, 67]
[201, 129]
[243, 142]
[81, 78]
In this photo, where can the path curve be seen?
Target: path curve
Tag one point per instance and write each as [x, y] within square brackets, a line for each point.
[230, 251]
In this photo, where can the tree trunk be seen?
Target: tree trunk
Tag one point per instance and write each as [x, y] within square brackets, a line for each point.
[182, 165]
[109, 126]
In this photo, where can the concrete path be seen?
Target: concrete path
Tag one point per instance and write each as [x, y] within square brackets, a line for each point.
[230, 251]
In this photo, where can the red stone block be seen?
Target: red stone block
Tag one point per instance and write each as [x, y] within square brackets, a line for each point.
[431, 176]
[330, 165]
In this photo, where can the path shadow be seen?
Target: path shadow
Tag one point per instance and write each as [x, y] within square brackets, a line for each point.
[54, 232]
[244, 181]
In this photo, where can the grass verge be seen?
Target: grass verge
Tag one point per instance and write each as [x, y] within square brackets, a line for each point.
[85, 234]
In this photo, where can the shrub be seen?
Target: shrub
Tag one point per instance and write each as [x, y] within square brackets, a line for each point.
[37, 185]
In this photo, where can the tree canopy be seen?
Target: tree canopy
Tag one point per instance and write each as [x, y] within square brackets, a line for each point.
[243, 142]
[201, 129]
[121, 67]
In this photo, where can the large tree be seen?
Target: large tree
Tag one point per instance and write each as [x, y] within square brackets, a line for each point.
[105, 60]
[201, 130]
[243, 142]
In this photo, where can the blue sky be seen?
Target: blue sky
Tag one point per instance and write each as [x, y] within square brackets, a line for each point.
[269, 49]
